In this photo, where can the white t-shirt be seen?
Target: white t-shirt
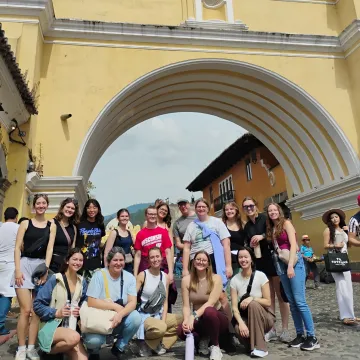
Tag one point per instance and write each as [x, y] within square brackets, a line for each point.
[240, 284]
[8, 232]
[194, 235]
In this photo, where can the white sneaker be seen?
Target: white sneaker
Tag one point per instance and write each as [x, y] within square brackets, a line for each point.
[160, 350]
[32, 354]
[259, 353]
[20, 355]
[204, 346]
[285, 337]
[216, 353]
[271, 335]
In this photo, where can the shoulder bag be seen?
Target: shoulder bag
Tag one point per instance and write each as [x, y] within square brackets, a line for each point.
[336, 261]
[244, 312]
[97, 321]
[283, 254]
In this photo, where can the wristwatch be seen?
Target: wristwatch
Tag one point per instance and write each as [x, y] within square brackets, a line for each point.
[195, 315]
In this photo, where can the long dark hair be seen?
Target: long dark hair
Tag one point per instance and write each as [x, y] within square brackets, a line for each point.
[99, 218]
[167, 218]
[74, 220]
[71, 252]
[332, 228]
[251, 252]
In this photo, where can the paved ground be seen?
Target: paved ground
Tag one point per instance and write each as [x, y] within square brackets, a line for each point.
[337, 341]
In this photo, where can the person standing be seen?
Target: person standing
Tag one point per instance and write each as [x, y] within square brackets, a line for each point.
[336, 239]
[354, 228]
[8, 231]
[121, 237]
[255, 230]
[33, 248]
[148, 237]
[65, 220]
[91, 229]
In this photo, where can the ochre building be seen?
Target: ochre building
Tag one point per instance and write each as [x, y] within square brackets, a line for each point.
[287, 71]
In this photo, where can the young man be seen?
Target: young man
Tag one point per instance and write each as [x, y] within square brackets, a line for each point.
[308, 256]
[148, 237]
[8, 231]
[354, 227]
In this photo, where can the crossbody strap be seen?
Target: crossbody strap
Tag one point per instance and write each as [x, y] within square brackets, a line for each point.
[65, 233]
[106, 285]
[67, 287]
[249, 287]
[142, 287]
[121, 284]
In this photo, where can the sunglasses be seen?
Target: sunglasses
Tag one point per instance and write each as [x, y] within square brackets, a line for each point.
[248, 207]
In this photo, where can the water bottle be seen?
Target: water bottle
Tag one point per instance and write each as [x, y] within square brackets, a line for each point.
[189, 347]
[73, 319]
[65, 322]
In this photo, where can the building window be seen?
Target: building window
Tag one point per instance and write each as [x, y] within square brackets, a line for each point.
[211, 194]
[248, 170]
[226, 186]
[230, 183]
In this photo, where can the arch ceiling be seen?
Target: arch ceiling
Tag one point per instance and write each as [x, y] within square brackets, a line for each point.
[292, 124]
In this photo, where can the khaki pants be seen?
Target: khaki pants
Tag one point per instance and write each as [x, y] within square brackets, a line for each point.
[158, 331]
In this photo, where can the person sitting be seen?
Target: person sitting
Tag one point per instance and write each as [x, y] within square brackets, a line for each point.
[307, 253]
[50, 305]
[158, 328]
[208, 320]
[251, 301]
[122, 289]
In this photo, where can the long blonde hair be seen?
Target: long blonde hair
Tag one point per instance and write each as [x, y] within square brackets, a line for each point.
[194, 278]
[271, 229]
[238, 215]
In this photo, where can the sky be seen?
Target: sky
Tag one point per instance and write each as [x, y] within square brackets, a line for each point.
[159, 158]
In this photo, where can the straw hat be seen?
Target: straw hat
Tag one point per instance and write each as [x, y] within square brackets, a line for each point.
[325, 217]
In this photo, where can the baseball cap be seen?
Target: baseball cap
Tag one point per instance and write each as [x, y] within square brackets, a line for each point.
[182, 201]
[358, 199]
[305, 237]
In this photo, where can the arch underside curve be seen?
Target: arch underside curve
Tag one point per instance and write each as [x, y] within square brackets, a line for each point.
[305, 139]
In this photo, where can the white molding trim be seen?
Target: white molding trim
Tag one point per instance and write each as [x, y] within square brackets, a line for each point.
[318, 2]
[68, 186]
[192, 33]
[314, 203]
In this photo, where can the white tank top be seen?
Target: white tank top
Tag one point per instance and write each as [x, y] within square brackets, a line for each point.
[151, 283]
[341, 236]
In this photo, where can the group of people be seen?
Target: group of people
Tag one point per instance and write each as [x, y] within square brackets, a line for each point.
[232, 272]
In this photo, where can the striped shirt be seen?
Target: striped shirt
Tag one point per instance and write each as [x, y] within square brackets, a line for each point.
[354, 224]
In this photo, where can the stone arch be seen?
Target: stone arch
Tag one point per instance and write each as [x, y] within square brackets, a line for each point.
[310, 146]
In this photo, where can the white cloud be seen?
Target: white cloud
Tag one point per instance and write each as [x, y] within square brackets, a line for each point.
[159, 158]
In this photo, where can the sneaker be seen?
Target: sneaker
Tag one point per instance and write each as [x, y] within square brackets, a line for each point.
[117, 352]
[20, 355]
[300, 339]
[285, 337]
[271, 335]
[311, 343]
[204, 346]
[215, 353]
[160, 350]
[317, 287]
[144, 350]
[259, 353]
[32, 354]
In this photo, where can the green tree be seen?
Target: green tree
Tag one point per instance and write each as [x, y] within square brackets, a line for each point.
[89, 188]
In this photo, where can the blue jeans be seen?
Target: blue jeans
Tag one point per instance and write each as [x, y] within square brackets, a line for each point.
[295, 291]
[123, 332]
[5, 304]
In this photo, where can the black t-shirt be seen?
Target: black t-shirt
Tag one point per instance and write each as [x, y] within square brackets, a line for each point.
[61, 245]
[88, 239]
[237, 239]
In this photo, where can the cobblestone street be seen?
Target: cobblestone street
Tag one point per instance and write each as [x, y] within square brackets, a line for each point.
[337, 341]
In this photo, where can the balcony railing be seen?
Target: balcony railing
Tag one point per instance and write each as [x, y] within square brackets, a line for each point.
[223, 199]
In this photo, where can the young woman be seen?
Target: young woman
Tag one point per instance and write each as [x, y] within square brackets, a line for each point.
[33, 247]
[255, 231]
[232, 219]
[157, 331]
[292, 276]
[90, 231]
[336, 239]
[201, 290]
[122, 289]
[122, 237]
[253, 317]
[66, 220]
[50, 306]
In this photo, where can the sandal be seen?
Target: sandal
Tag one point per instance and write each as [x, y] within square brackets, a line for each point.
[349, 321]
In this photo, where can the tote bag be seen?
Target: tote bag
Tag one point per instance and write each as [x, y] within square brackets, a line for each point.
[336, 262]
[97, 321]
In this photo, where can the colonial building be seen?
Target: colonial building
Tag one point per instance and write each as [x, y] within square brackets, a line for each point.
[286, 71]
[245, 168]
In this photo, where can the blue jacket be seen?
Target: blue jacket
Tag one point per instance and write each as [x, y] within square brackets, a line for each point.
[45, 295]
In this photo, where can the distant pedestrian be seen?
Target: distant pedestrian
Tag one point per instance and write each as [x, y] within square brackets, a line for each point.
[354, 228]
[8, 232]
[307, 253]
[336, 239]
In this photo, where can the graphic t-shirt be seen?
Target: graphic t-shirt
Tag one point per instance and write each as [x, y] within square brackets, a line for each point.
[194, 235]
[88, 239]
[307, 251]
[148, 238]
